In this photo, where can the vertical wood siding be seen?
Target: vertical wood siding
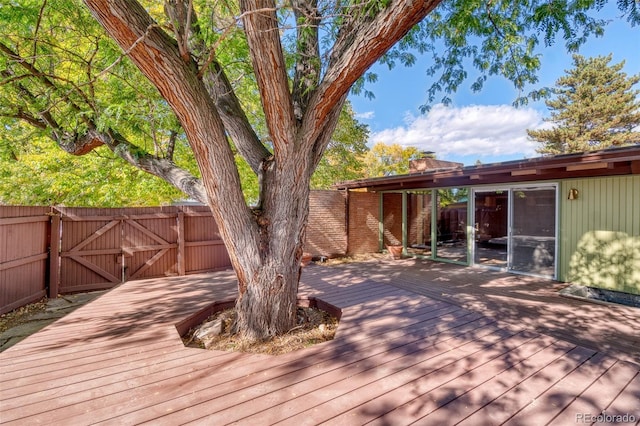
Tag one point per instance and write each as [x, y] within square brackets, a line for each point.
[23, 255]
[104, 247]
[100, 248]
[600, 233]
[90, 249]
[204, 248]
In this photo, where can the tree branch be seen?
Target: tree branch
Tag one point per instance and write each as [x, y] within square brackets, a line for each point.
[263, 37]
[307, 68]
[355, 51]
[215, 80]
[159, 59]
[233, 116]
[160, 167]
[31, 69]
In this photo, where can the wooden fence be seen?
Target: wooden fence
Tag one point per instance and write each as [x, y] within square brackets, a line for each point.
[24, 255]
[94, 249]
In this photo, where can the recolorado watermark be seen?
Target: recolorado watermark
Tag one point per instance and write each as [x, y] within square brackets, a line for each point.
[605, 417]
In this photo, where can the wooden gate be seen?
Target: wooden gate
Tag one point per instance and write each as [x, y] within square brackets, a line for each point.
[101, 248]
[149, 246]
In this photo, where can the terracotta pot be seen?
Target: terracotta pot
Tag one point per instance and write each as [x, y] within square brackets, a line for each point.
[395, 251]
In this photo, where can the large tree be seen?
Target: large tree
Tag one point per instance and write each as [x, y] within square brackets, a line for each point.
[594, 107]
[301, 58]
[389, 160]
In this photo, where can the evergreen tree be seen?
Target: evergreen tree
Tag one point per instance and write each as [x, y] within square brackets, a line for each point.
[595, 108]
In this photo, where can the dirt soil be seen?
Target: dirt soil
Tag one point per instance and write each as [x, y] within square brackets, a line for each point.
[314, 326]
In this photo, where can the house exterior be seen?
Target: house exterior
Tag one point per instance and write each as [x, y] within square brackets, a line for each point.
[574, 218]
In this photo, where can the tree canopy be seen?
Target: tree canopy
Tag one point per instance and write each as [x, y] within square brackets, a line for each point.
[99, 83]
[594, 107]
[501, 38]
[47, 175]
[388, 160]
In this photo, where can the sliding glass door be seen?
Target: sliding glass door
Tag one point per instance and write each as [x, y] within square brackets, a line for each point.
[515, 229]
[419, 212]
[451, 225]
[533, 231]
[491, 228]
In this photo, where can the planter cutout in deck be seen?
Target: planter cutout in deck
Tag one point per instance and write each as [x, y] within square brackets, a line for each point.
[209, 328]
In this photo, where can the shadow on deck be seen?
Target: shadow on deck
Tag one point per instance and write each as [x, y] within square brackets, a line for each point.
[418, 342]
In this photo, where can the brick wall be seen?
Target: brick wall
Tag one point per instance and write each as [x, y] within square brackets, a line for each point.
[363, 222]
[392, 205]
[419, 218]
[326, 229]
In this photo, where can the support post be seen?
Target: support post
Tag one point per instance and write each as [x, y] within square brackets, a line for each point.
[54, 256]
[381, 223]
[434, 222]
[404, 223]
[347, 206]
[181, 245]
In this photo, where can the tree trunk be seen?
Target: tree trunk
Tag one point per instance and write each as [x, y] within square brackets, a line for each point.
[265, 243]
[268, 292]
[266, 306]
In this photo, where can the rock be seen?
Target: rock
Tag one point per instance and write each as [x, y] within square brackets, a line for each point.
[54, 309]
[209, 329]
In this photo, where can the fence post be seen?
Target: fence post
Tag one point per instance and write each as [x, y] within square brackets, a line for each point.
[181, 248]
[54, 256]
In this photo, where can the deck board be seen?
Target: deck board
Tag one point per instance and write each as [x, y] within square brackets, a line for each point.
[417, 342]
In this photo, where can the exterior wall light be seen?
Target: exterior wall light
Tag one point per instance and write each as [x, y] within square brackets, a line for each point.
[573, 194]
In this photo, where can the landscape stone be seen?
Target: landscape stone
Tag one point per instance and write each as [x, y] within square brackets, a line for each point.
[56, 309]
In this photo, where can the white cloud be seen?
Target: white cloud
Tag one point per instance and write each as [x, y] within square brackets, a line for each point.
[366, 115]
[482, 130]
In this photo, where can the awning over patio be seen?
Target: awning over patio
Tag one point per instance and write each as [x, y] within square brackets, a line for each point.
[609, 162]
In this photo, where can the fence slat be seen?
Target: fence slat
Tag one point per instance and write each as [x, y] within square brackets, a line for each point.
[54, 256]
[23, 255]
[19, 220]
[181, 244]
[68, 249]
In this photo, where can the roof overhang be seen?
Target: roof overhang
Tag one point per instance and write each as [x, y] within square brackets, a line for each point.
[608, 162]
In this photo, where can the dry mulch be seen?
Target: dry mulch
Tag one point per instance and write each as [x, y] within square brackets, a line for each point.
[314, 326]
[21, 315]
[356, 258]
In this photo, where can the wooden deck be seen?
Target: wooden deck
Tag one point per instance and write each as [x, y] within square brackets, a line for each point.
[418, 343]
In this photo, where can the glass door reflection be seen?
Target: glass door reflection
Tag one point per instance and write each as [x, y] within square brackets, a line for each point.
[533, 233]
[419, 208]
[452, 224]
[491, 226]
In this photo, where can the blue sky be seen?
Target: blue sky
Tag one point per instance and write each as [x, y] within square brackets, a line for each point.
[479, 126]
